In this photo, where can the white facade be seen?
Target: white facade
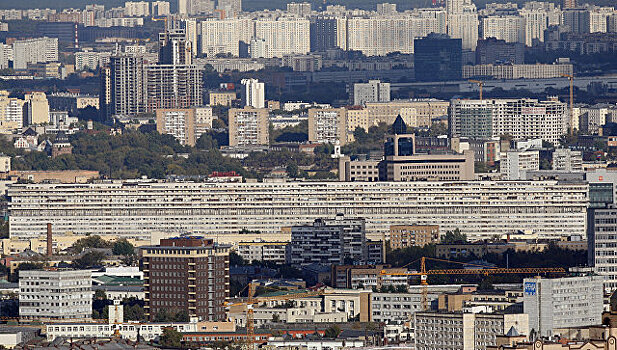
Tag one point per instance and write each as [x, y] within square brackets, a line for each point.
[127, 330]
[602, 239]
[562, 302]
[536, 22]
[463, 24]
[5, 164]
[263, 251]
[37, 50]
[565, 159]
[253, 93]
[161, 8]
[133, 209]
[91, 60]
[515, 164]
[464, 331]
[55, 295]
[508, 28]
[282, 36]
[137, 8]
[520, 118]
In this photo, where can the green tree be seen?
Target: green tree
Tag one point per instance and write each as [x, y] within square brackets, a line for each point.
[171, 338]
[332, 332]
[236, 260]
[100, 294]
[88, 260]
[123, 247]
[454, 237]
[89, 242]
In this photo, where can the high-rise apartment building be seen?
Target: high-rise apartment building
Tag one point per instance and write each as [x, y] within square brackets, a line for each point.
[231, 8]
[174, 48]
[38, 50]
[173, 86]
[186, 274]
[36, 108]
[521, 118]
[569, 4]
[137, 8]
[11, 113]
[180, 123]
[174, 82]
[566, 302]
[373, 91]
[249, 127]
[186, 125]
[326, 33]
[300, 9]
[515, 164]
[327, 125]
[160, 8]
[602, 239]
[463, 22]
[123, 84]
[536, 22]
[277, 37]
[253, 93]
[510, 28]
[58, 295]
[328, 241]
[577, 20]
[438, 58]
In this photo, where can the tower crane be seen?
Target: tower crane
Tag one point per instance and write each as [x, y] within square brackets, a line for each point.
[476, 270]
[480, 85]
[252, 301]
[571, 79]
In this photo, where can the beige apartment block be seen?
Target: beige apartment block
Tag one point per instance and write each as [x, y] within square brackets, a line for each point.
[403, 236]
[180, 123]
[327, 125]
[248, 127]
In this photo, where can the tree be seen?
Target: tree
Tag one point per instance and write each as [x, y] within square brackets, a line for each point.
[123, 247]
[276, 318]
[454, 237]
[171, 338]
[100, 294]
[236, 260]
[88, 260]
[486, 284]
[89, 242]
[332, 332]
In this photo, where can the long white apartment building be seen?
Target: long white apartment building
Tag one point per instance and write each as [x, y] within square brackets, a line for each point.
[134, 209]
[520, 118]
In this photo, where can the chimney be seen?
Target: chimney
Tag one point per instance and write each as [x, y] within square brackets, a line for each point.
[49, 240]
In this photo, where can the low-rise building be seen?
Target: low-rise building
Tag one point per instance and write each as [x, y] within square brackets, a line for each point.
[260, 250]
[221, 98]
[464, 331]
[566, 159]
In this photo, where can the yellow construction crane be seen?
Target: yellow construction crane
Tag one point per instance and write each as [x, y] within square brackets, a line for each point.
[571, 79]
[480, 85]
[154, 19]
[251, 301]
[477, 270]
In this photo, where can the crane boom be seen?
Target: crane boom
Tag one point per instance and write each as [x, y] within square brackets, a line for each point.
[477, 270]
